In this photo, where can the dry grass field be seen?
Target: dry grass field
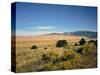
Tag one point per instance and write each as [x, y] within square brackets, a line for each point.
[48, 57]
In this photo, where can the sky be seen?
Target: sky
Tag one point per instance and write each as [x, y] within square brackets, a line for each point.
[36, 19]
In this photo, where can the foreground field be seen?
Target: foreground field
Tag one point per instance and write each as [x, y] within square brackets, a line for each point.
[48, 57]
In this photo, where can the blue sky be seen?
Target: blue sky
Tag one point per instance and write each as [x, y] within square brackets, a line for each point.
[36, 19]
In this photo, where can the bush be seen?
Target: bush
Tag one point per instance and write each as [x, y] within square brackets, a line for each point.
[93, 41]
[56, 61]
[45, 48]
[61, 43]
[76, 44]
[82, 41]
[54, 56]
[80, 50]
[68, 55]
[88, 49]
[46, 58]
[34, 47]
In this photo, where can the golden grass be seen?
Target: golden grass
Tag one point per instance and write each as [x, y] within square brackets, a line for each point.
[28, 59]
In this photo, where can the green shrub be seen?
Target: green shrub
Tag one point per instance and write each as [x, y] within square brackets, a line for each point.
[34, 47]
[61, 43]
[82, 41]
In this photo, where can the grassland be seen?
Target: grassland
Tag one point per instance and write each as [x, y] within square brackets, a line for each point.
[48, 57]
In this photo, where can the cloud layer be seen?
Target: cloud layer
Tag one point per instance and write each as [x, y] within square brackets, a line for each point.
[45, 27]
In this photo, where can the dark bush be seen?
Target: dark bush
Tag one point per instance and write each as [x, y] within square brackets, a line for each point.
[76, 44]
[45, 48]
[45, 58]
[34, 47]
[93, 41]
[80, 50]
[61, 43]
[57, 60]
[82, 41]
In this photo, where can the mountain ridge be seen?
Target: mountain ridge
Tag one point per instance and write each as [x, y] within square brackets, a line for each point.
[89, 34]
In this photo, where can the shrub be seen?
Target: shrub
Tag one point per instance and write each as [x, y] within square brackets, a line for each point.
[82, 41]
[67, 65]
[89, 49]
[34, 47]
[46, 58]
[93, 41]
[56, 61]
[68, 55]
[45, 48]
[70, 59]
[80, 50]
[61, 43]
[76, 44]
[54, 56]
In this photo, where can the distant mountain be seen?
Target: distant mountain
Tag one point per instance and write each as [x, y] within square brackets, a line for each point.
[55, 34]
[89, 34]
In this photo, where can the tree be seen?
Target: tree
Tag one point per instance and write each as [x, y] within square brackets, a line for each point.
[82, 41]
[61, 43]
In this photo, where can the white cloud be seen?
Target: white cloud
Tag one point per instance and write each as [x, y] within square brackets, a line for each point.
[33, 33]
[45, 27]
[38, 30]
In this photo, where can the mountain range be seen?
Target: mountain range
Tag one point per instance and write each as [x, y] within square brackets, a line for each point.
[89, 34]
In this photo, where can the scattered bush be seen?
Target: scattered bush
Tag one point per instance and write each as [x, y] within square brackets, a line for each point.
[61, 43]
[80, 50]
[66, 65]
[45, 58]
[82, 41]
[45, 48]
[66, 60]
[57, 60]
[89, 48]
[34, 47]
[93, 41]
[54, 56]
[68, 55]
[76, 44]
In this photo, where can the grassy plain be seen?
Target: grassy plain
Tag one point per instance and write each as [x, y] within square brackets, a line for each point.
[48, 57]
